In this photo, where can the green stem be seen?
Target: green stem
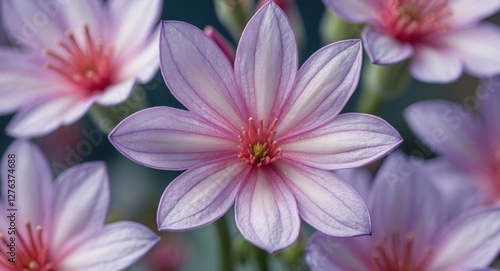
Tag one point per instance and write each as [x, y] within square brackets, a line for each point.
[226, 259]
[370, 102]
[261, 257]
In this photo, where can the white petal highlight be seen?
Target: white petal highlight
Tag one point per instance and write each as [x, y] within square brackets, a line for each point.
[435, 65]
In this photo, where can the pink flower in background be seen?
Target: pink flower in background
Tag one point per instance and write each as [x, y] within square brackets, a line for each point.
[60, 225]
[419, 223]
[443, 37]
[469, 140]
[263, 134]
[73, 54]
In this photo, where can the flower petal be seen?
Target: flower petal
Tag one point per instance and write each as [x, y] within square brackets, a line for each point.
[449, 130]
[43, 117]
[359, 178]
[325, 201]
[477, 47]
[471, 242]
[115, 247]
[266, 211]
[383, 49]
[169, 138]
[468, 12]
[77, 14]
[326, 253]
[199, 75]
[200, 195]
[324, 84]
[117, 93]
[80, 203]
[33, 182]
[134, 22]
[355, 11]
[266, 61]
[434, 65]
[350, 140]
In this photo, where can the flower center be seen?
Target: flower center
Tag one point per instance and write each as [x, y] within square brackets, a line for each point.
[413, 20]
[394, 253]
[25, 253]
[258, 147]
[88, 65]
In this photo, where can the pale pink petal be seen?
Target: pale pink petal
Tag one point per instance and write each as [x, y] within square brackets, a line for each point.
[266, 61]
[266, 211]
[448, 130]
[471, 242]
[349, 140]
[77, 14]
[435, 65]
[326, 253]
[477, 47]
[384, 49]
[33, 182]
[201, 195]
[324, 84]
[43, 117]
[115, 247]
[173, 139]
[116, 93]
[325, 201]
[468, 12]
[134, 22]
[144, 63]
[359, 178]
[199, 75]
[34, 24]
[356, 11]
[81, 199]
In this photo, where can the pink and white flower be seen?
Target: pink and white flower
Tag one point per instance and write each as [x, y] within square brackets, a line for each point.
[60, 225]
[419, 221]
[443, 37]
[469, 140]
[73, 54]
[263, 134]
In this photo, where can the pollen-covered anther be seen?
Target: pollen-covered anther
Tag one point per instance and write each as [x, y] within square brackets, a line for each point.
[87, 63]
[396, 254]
[258, 147]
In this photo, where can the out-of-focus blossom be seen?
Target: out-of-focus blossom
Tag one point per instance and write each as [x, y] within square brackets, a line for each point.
[418, 224]
[169, 255]
[442, 37]
[263, 134]
[469, 140]
[73, 54]
[60, 225]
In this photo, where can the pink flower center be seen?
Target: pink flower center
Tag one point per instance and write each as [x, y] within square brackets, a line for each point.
[258, 147]
[30, 251]
[413, 20]
[394, 253]
[87, 65]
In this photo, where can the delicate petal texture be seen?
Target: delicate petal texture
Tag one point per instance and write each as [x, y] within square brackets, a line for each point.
[114, 248]
[350, 140]
[326, 253]
[356, 11]
[478, 48]
[116, 93]
[80, 203]
[465, 11]
[45, 116]
[168, 138]
[325, 201]
[384, 49]
[448, 130]
[266, 211]
[266, 61]
[186, 51]
[470, 242]
[323, 86]
[135, 20]
[435, 66]
[33, 186]
[200, 195]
